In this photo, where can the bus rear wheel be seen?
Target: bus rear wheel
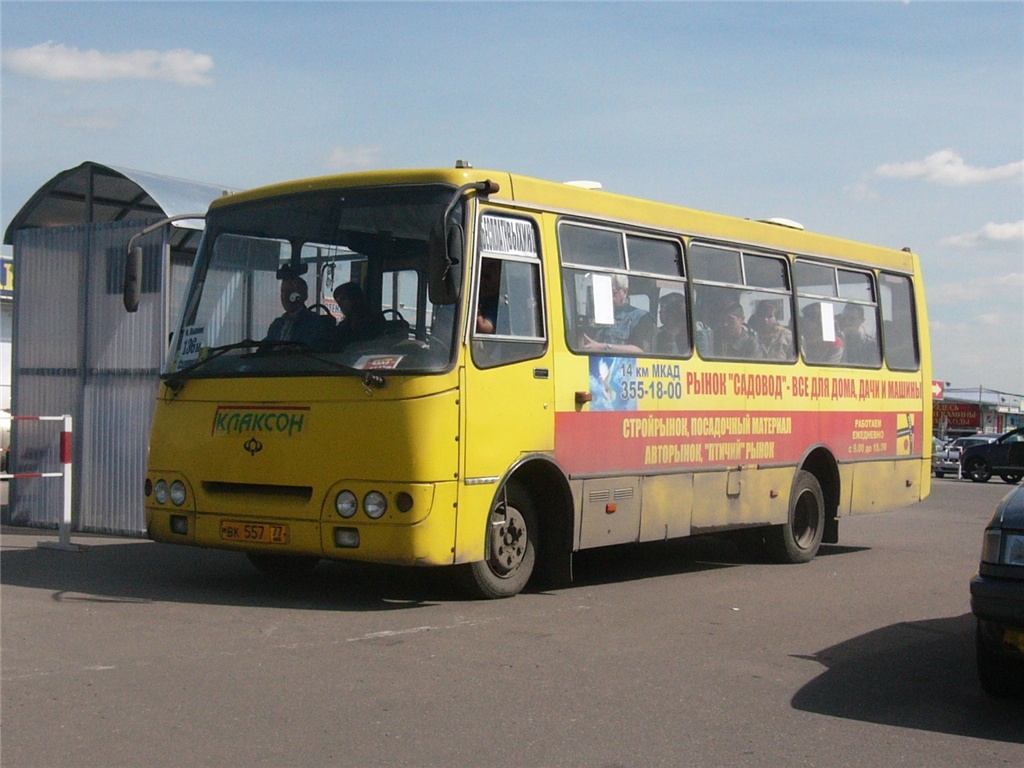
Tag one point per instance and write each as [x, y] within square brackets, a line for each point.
[510, 548]
[798, 539]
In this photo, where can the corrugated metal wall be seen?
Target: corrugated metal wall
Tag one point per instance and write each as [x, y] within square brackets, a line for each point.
[77, 351]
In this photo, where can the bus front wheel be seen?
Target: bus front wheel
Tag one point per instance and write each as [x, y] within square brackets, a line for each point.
[798, 539]
[510, 548]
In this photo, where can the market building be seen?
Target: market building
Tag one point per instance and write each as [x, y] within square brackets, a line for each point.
[970, 410]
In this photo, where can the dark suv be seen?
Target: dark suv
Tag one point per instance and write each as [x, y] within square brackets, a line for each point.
[997, 600]
[1004, 456]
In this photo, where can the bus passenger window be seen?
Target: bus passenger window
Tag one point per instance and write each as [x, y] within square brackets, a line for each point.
[658, 257]
[744, 305]
[591, 246]
[838, 315]
[900, 336]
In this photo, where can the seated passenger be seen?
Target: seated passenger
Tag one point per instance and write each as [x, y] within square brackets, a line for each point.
[298, 323]
[358, 322]
[859, 347]
[775, 337]
[818, 348]
[732, 337]
[672, 338]
[632, 332]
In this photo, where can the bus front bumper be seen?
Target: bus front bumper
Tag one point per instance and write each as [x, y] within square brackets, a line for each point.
[429, 540]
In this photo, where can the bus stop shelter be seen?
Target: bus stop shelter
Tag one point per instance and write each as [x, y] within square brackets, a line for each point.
[74, 348]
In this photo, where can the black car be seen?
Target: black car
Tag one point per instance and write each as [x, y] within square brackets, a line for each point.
[946, 458]
[1004, 456]
[997, 600]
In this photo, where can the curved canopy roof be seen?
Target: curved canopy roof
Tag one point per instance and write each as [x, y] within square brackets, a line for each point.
[94, 193]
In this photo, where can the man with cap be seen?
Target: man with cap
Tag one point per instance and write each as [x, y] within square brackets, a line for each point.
[732, 337]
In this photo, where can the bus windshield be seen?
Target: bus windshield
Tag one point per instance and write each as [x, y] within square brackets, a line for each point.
[319, 283]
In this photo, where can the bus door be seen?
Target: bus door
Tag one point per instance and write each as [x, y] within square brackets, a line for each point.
[508, 398]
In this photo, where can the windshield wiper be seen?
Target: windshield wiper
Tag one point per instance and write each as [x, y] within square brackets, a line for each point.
[175, 381]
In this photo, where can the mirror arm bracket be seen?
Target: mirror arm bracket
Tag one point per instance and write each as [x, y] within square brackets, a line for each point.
[132, 286]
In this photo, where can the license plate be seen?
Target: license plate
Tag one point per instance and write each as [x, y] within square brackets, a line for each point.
[254, 533]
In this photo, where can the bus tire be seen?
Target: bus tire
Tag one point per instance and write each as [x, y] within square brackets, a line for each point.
[798, 539]
[510, 548]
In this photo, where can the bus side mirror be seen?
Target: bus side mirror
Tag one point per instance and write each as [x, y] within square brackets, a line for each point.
[133, 261]
[444, 262]
[447, 243]
[133, 279]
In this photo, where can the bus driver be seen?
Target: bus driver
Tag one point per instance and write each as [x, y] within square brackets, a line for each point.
[298, 323]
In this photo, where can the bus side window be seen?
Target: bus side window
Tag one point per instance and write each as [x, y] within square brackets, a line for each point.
[898, 326]
[509, 323]
[508, 317]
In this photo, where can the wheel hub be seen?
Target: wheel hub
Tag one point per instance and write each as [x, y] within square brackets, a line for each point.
[508, 540]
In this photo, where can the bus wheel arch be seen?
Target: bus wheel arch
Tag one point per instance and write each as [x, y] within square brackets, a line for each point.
[813, 506]
[822, 464]
[552, 499]
[529, 532]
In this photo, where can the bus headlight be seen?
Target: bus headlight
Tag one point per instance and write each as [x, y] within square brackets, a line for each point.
[177, 493]
[346, 504]
[160, 492]
[375, 504]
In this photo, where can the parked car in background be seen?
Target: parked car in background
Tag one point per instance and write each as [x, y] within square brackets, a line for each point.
[997, 600]
[946, 460]
[1004, 456]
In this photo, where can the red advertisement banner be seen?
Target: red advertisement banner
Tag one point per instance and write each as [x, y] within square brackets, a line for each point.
[957, 415]
[638, 441]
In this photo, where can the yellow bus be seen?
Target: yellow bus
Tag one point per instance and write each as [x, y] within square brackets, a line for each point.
[489, 371]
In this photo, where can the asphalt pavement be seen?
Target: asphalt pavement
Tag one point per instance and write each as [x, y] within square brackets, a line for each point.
[131, 653]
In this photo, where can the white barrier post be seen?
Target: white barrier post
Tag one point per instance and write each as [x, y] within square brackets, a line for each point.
[64, 538]
[64, 527]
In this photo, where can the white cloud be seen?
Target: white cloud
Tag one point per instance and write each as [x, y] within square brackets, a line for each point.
[989, 289]
[948, 168]
[861, 192]
[990, 234]
[353, 158]
[55, 61]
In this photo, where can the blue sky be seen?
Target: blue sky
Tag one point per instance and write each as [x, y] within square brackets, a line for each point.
[900, 124]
